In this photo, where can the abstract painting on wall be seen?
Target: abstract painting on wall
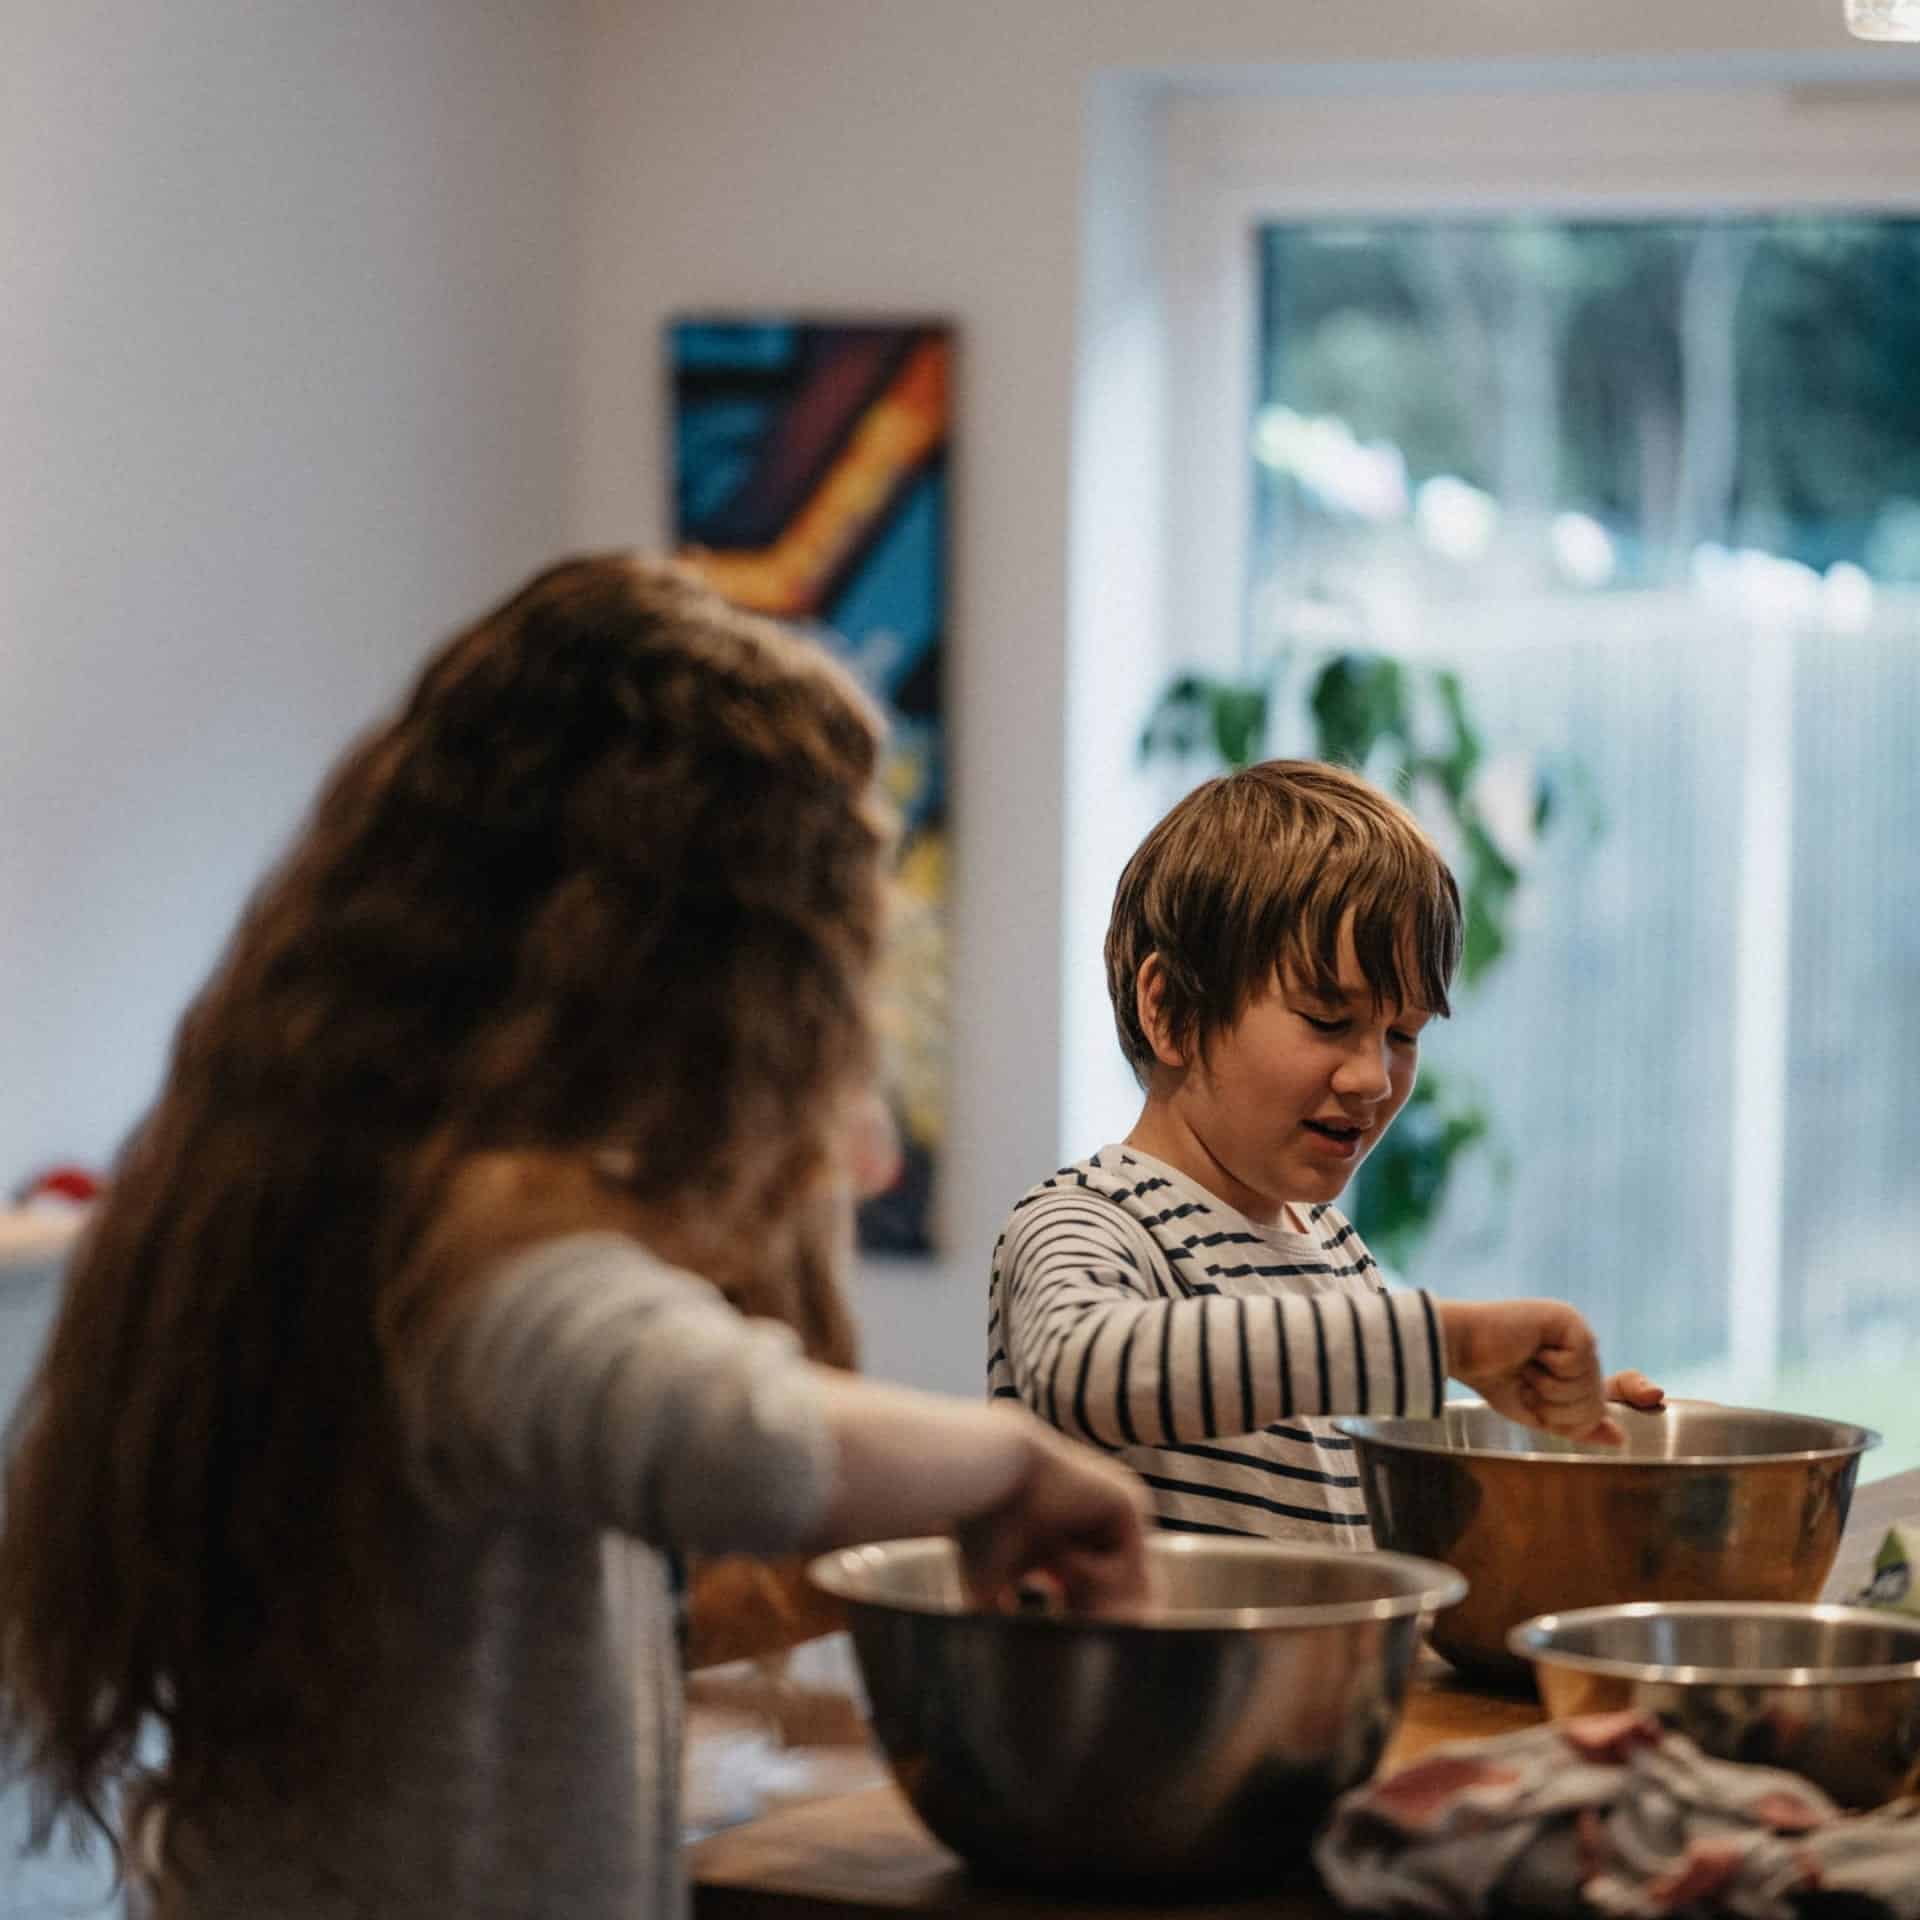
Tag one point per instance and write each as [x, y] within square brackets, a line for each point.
[810, 483]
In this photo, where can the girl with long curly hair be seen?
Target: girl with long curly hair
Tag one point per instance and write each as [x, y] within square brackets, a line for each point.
[394, 1308]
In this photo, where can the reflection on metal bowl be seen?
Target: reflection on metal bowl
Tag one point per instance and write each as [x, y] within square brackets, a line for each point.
[1829, 1692]
[1701, 1503]
[1200, 1742]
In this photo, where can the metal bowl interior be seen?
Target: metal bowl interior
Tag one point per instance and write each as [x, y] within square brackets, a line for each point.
[1196, 1743]
[1198, 1584]
[1715, 1644]
[1831, 1693]
[1700, 1503]
[1691, 1433]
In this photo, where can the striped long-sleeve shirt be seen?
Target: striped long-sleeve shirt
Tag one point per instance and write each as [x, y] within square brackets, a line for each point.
[1133, 1309]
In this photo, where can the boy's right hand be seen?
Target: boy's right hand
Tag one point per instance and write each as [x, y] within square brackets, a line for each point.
[1535, 1361]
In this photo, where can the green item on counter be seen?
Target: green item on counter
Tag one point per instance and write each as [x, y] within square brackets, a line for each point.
[1892, 1584]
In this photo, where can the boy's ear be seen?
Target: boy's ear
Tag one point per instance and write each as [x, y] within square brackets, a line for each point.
[1149, 1002]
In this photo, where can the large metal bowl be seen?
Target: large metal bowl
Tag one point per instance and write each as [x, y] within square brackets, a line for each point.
[1201, 1741]
[1829, 1692]
[1701, 1503]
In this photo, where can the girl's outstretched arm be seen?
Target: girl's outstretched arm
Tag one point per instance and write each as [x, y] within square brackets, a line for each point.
[1019, 1497]
[585, 1378]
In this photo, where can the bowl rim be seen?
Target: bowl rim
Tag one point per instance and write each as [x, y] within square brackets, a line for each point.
[1528, 1637]
[1440, 1586]
[1364, 1428]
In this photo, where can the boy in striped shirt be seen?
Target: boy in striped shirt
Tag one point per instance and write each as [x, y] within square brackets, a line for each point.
[1191, 1298]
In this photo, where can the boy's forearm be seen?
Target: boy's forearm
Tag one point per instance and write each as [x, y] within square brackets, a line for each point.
[1456, 1336]
[1216, 1366]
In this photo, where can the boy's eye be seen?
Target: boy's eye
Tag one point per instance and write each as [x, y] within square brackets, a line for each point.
[1401, 1039]
[1324, 1026]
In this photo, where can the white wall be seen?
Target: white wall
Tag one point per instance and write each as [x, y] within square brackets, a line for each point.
[286, 389]
[287, 293]
[908, 154]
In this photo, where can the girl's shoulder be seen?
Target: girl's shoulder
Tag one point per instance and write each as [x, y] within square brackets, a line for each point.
[497, 1203]
[485, 1210]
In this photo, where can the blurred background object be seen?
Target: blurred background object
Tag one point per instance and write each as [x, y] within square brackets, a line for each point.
[810, 482]
[1884, 19]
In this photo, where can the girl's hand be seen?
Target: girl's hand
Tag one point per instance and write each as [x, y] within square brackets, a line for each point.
[1074, 1518]
[1534, 1361]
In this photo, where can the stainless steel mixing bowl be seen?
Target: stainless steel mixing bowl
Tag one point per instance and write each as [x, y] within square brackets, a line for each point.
[1199, 1742]
[1701, 1503]
[1829, 1692]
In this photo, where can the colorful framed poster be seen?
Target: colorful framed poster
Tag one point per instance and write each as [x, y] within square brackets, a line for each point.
[810, 461]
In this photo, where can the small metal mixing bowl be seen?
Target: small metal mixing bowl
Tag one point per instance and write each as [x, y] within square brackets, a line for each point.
[1702, 1502]
[1829, 1692]
[1199, 1741]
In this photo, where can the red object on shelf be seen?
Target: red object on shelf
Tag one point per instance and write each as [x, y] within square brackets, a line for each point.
[63, 1183]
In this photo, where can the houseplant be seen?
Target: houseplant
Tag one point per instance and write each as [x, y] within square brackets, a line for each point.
[1406, 726]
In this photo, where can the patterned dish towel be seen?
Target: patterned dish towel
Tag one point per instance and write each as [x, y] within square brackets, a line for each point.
[1620, 1813]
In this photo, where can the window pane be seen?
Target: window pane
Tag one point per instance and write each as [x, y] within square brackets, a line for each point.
[1652, 490]
[1852, 1145]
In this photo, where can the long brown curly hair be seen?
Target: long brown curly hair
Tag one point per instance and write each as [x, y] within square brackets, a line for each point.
[609, 882]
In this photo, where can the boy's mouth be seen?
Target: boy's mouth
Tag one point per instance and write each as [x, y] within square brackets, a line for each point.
[1343, 1138]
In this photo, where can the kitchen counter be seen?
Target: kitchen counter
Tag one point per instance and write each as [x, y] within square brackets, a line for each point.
[850, 1855]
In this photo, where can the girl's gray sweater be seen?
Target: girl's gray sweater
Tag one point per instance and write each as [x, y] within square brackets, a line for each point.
[520, 1755]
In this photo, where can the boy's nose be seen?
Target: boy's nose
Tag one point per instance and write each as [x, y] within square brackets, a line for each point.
[1364, 1075]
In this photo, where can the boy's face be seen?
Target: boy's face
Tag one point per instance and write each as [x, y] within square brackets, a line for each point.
[1294, 1095]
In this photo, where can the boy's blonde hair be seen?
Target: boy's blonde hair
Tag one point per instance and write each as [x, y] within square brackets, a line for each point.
[1259, 870]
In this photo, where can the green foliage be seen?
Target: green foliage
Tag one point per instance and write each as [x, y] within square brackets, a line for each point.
[1227, 718]
[1409, 728]
[1401, 1183]
[1358, 700]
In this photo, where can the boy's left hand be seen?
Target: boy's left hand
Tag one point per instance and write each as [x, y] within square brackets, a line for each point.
[1631, 1388]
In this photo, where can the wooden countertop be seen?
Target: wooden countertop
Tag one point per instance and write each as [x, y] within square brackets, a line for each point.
[853, 1855]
